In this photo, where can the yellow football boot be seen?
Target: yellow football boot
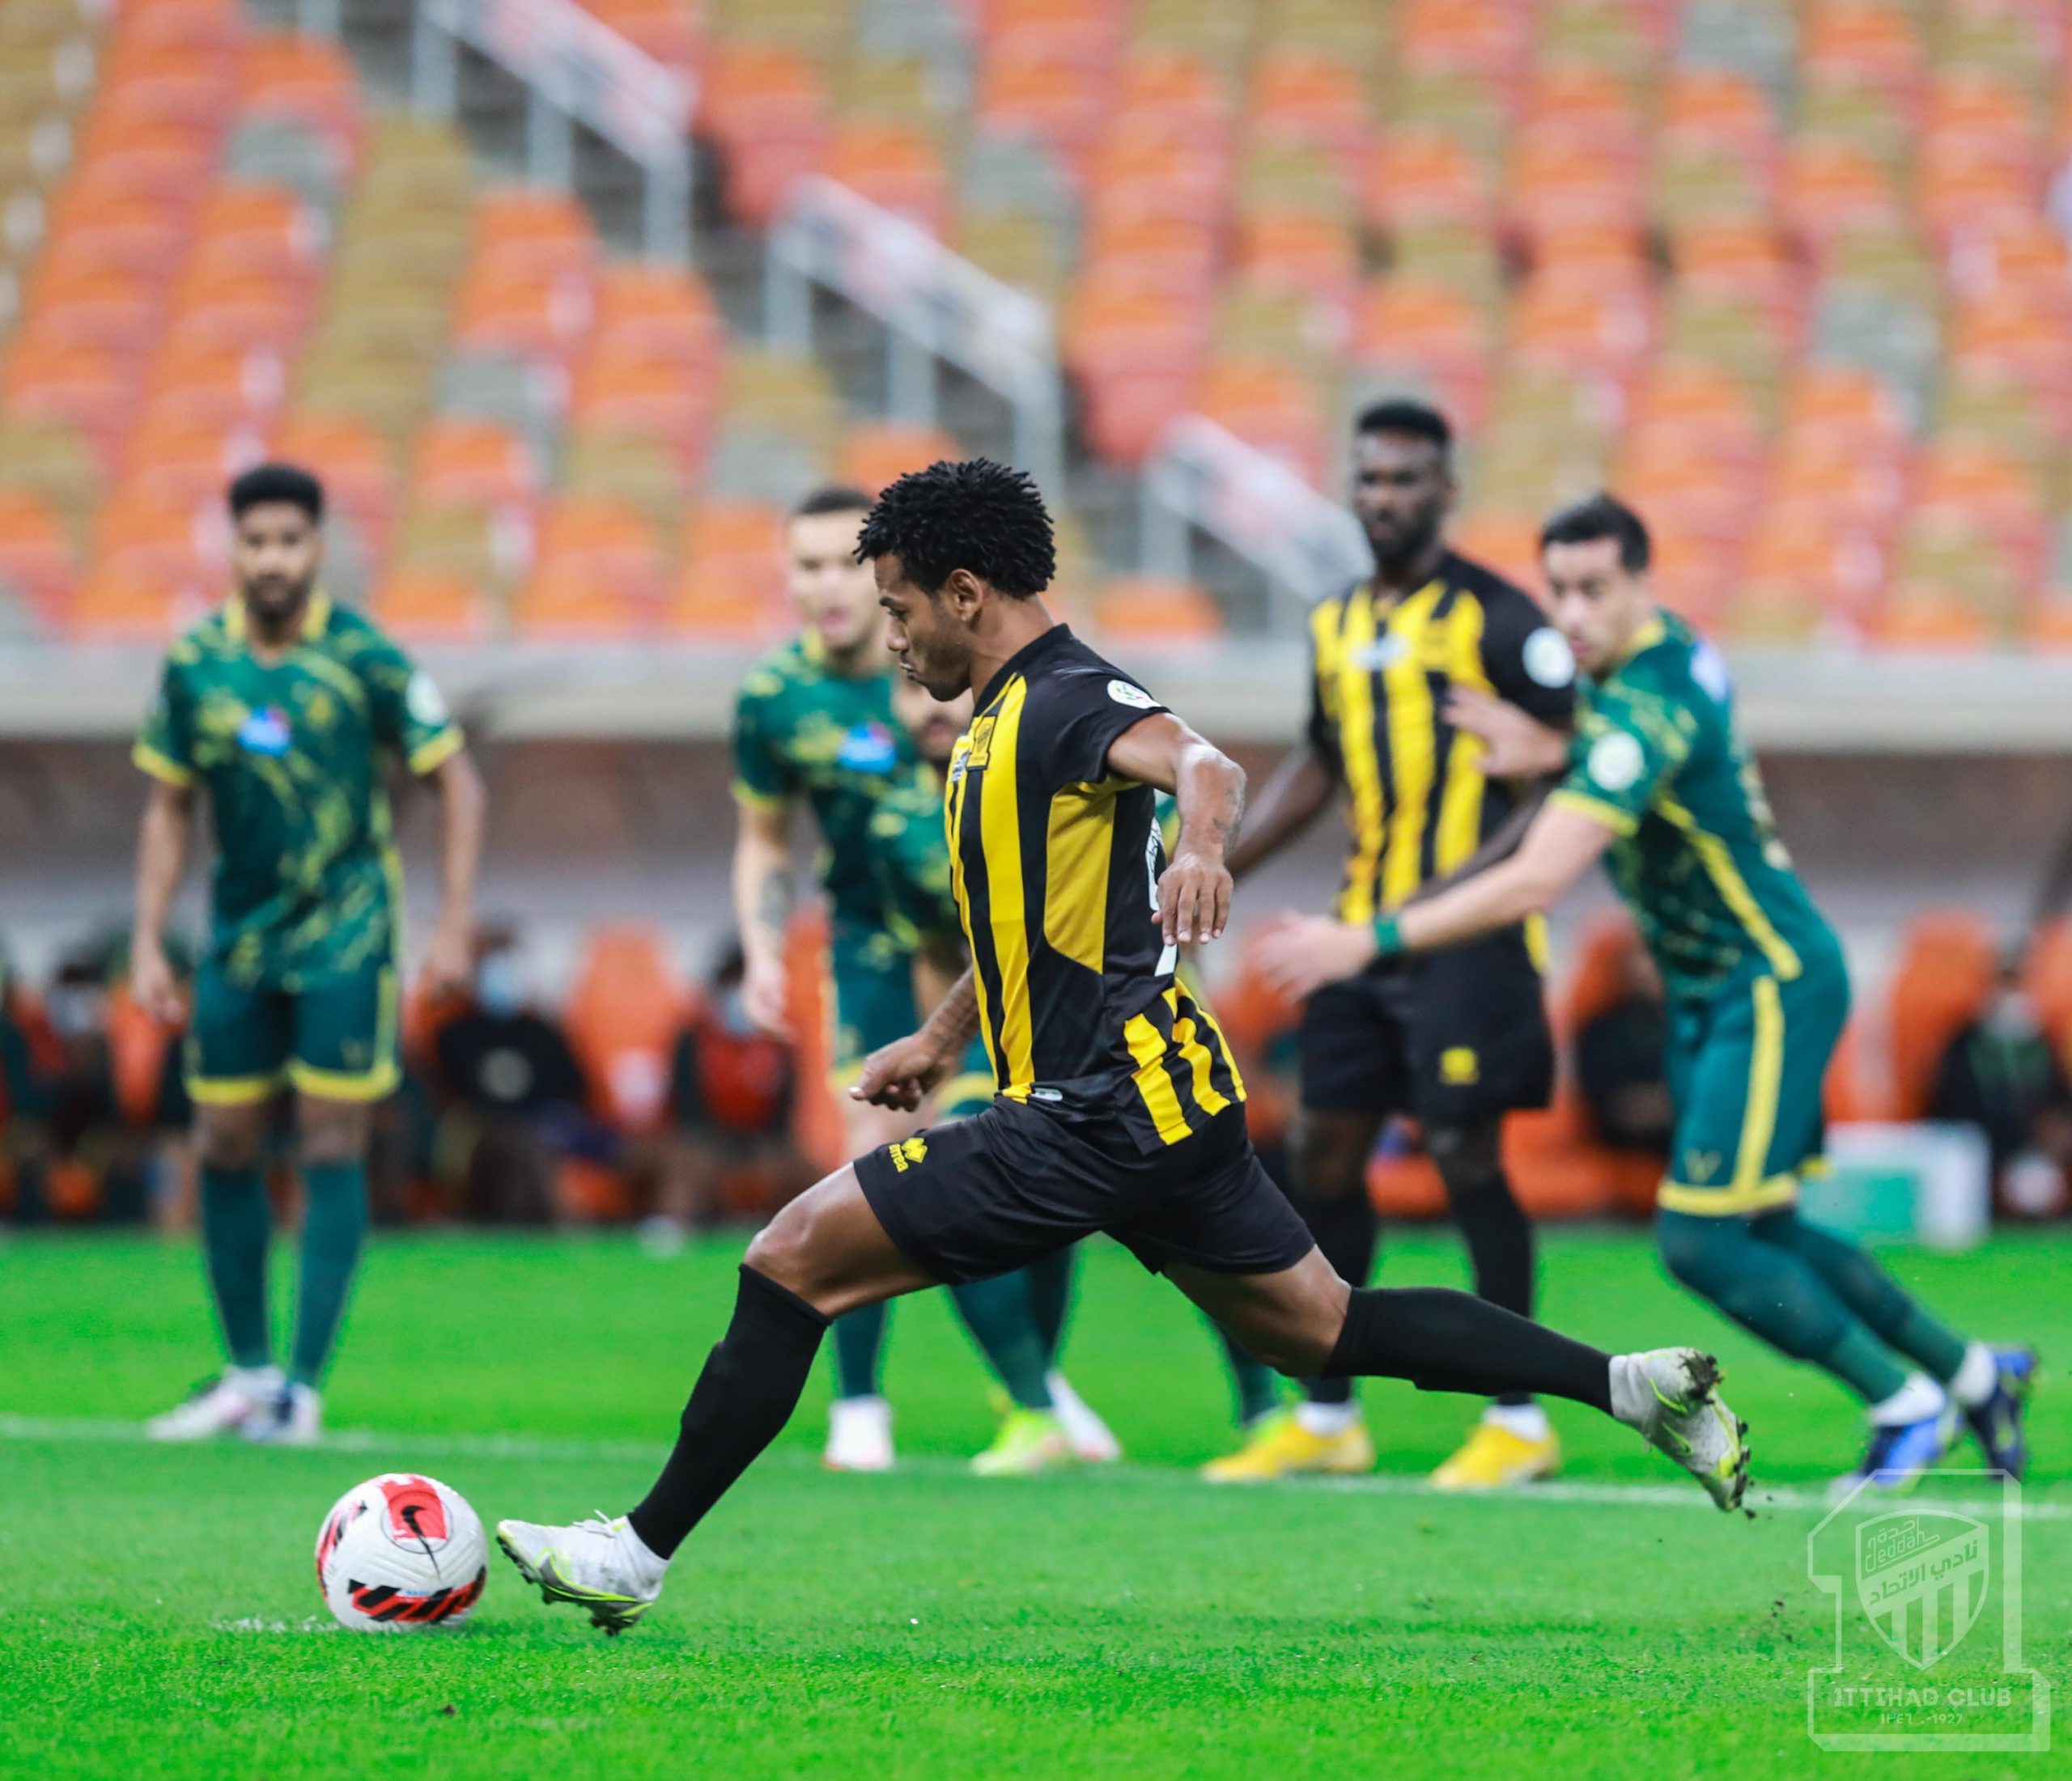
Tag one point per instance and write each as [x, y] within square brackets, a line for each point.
[1493, 1458]
[1279, 1447]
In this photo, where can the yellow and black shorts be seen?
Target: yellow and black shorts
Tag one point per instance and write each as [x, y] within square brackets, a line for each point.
[1746, 1068]
[334, 1035]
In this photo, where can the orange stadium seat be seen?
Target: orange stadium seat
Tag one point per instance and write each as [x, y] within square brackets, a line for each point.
[476, 461]
[1423, 175]
[432, 606]
[767, 104]
[1301, 92]
[1860, 40]
[611, 540]
[308, 79]
[119, 604]
[896, 166]
[1829, 186]
[1438, 34]
[1945, 974]
[670, 31]
[574, 602]
[873, 456]
[1270, 406]
[1145, 611]
[35, 554]
[621, 1016]
[1049, 97]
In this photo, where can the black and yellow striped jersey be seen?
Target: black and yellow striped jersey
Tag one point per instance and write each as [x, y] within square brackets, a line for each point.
[1055, 864]
[1416, 802]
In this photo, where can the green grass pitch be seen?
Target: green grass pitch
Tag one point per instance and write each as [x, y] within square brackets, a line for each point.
[159, 1615]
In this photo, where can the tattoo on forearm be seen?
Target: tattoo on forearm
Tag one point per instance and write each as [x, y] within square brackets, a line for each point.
[773, 903]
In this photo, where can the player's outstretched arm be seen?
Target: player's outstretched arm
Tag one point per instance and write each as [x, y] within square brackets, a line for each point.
[449, 959]
[903, 1074]
[762, 906]
[161, 858]
[1194, 896]
[1293, 796]
[1301, 952]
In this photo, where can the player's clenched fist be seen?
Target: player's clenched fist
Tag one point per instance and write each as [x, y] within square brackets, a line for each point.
[1194, 898]
[900, 1076]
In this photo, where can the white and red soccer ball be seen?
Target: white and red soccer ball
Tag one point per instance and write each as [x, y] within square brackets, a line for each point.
[400, 1553]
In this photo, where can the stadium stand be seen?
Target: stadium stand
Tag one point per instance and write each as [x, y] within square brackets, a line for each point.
[1794, 274]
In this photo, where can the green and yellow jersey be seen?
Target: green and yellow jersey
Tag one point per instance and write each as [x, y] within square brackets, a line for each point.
[292, 755]
[832, 740]
[1656, 757]
[909, 854]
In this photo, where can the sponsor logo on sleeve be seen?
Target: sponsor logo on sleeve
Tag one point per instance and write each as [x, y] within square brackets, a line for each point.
[1123, 693]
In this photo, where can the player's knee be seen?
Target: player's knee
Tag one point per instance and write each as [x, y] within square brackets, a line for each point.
[226, 1141]
[339, 1139]
[1469, 1159]
[1330, 1160]
[1693, 1249]
[782, 1250]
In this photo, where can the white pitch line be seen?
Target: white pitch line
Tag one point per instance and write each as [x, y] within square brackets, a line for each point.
[1780, 1500]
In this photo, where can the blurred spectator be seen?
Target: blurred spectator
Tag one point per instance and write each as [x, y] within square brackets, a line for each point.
[96, 1110]
[511, 1095]
[728, 1149]
[1619, 1058]
[2002, 1074]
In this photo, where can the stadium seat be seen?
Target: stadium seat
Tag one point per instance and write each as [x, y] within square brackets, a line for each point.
[621, 1016]
[431, 606]
[1945, 974]
[873, 456]
[1144, 612]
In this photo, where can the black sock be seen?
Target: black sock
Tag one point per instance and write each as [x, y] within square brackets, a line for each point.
[745, 1395]
[1443, 1341]
[1499, 1240]
[1346, 1230]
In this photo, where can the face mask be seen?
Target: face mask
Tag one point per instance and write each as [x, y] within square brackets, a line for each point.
[500, 985]
[2009, 1015]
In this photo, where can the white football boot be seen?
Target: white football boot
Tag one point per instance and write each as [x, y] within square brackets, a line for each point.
[1671, 1396]
[1092, 1440]
[293, 1418]
[598, 1564]
[222, 1406]
[859, 1435]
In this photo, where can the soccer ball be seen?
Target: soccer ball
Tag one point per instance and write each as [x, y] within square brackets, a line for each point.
[400, 1553]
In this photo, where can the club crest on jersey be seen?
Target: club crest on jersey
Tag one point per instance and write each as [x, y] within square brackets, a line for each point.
[265, 731]
[868, 747]
[1384, 652]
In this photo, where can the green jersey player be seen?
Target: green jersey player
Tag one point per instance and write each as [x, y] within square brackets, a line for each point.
[815, 724]
[288, 711]
[1658, 785]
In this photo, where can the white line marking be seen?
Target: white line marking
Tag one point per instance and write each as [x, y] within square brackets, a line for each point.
[1779, 1500]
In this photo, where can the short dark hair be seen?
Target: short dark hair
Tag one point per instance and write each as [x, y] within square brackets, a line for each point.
[1601, 515]
[836, 497]
[268, 483]
[973, 514]
[1399, 415]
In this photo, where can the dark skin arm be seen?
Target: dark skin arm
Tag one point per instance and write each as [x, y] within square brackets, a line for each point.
[1194, 896]
[1295, 794]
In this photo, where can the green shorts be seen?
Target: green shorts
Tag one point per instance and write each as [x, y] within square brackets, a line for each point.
[335, 1037]
[872, 1004]
[1746, 1068]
